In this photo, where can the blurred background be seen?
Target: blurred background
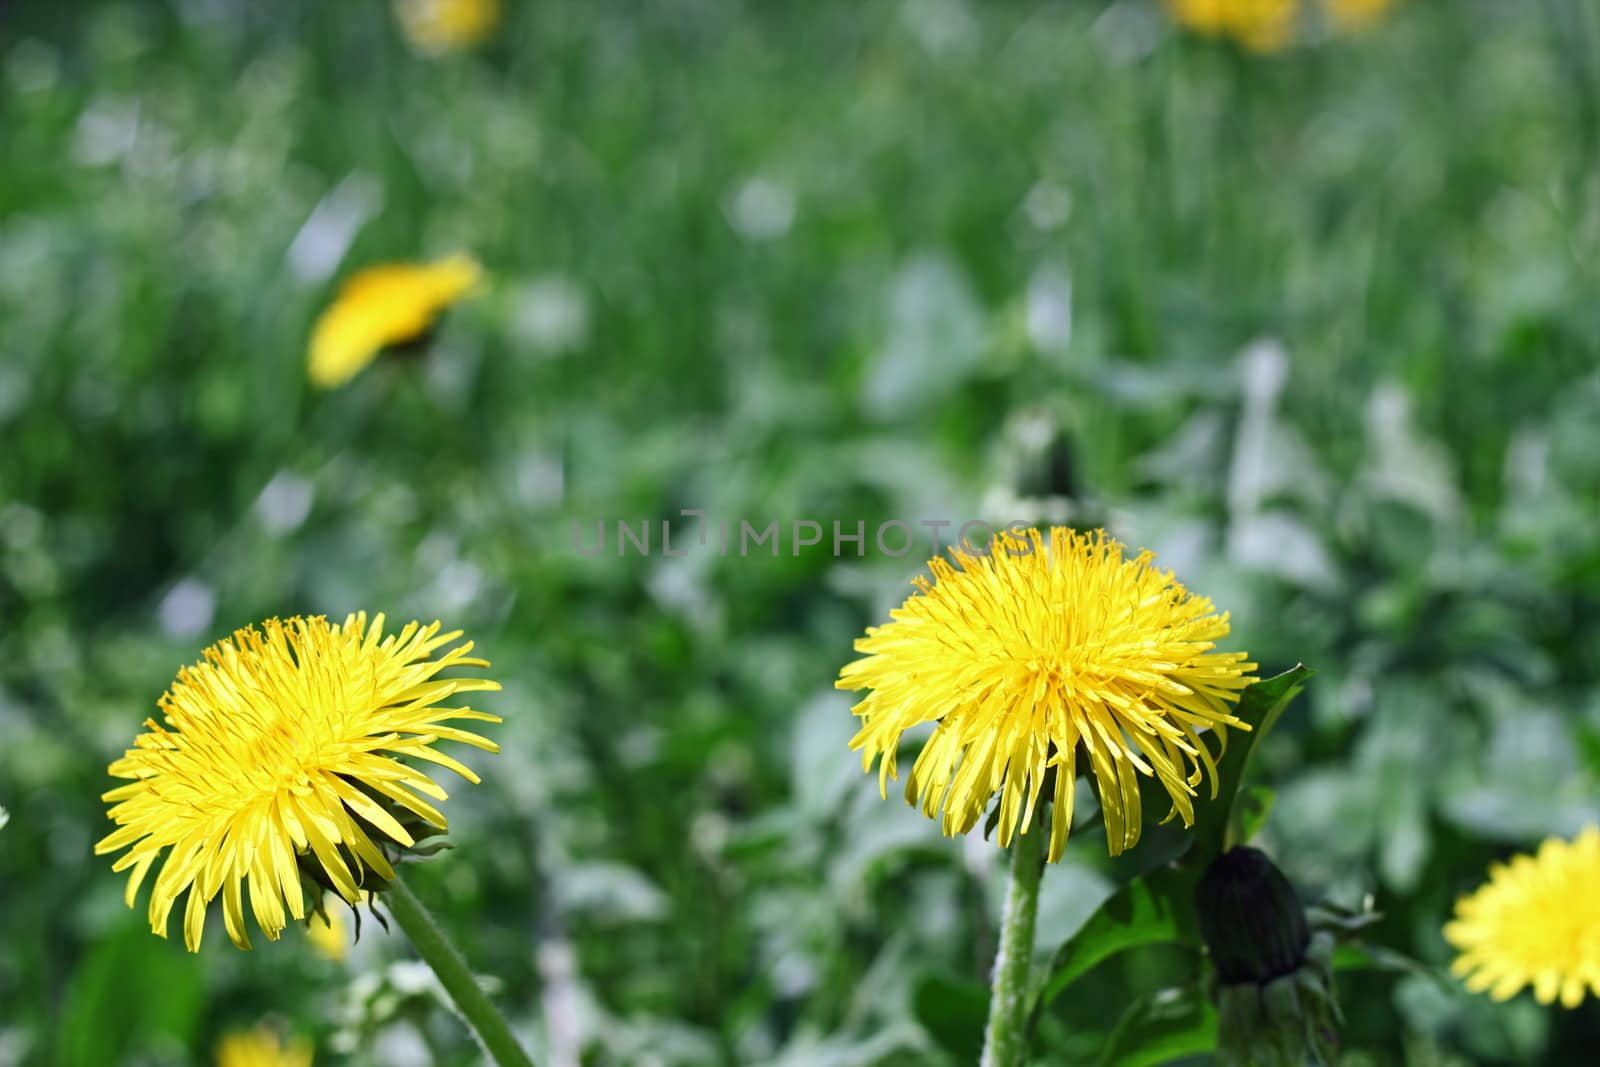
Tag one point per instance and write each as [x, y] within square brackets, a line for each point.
[1316, 322]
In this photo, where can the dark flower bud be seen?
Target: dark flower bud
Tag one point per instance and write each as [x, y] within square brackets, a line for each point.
[1272, 981]
[1250, 918]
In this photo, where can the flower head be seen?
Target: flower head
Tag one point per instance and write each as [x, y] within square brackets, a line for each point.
[261, 1047]
[1270, 25]
[1028, 651]
[278, 760]
[1355, 14]
[1260, 25]
[437, 26]
[1535, 922]
[381, 306]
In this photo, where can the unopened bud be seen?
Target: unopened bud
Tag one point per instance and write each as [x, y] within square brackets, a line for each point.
[1251, 918]
[1273, 987]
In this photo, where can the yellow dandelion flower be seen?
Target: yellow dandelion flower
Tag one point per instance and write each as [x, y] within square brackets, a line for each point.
[1210, 17]
[1260, 25]
[1355, 14]
[1025, 652]
[328, 932]
[261, 1047]
[385, 305]
[277, 760]
[437, 26]
[1535, 922]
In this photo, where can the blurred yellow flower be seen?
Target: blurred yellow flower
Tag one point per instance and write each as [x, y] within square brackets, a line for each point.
[381, 306]
[1355, 14]
[328, 932]
[1260, 25]
[1025, 652]
[261, 1047]
[276, 760]
[1535, 922]
[436, 26]
[1269, 25]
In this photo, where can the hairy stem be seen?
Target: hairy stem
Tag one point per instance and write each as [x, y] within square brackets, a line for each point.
[1005, 1042]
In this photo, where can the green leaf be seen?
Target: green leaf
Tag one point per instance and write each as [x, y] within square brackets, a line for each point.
[1161, 1028]
[1365, 956]
[1250, 813]
[132, 993]
[953, 1011]
[1157, 908]
[1259, 705]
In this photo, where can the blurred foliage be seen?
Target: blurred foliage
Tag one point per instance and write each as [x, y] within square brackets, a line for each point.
[1320, 328]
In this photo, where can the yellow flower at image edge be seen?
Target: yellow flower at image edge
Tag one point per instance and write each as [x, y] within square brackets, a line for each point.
[261, 1047]
[438, 26]
[1261, 25]
[1355, 14]
[1270, 25]
[277, 762]
[1535, 922]
[384, 305]
[1026, 653]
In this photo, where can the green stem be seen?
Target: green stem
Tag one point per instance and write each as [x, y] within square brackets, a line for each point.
[1005, 1042]
[484, 1018]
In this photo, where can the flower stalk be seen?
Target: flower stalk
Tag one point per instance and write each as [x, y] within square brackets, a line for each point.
[476, 1008]
[1005, 1042]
